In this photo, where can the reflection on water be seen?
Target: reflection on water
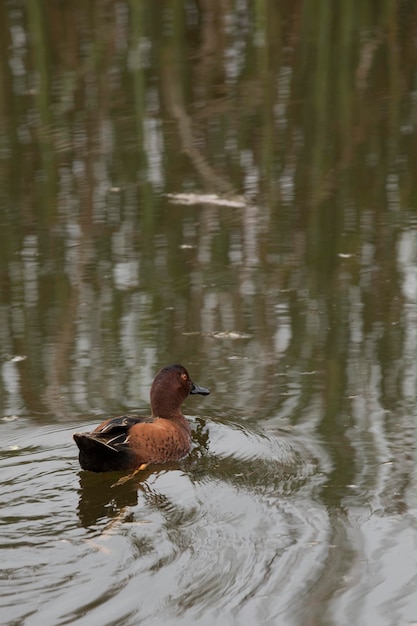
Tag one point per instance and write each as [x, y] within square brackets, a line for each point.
[231, 186]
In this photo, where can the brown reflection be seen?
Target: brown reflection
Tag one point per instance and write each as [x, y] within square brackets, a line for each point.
[100, 498]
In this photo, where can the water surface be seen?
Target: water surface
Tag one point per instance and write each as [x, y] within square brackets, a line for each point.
[230, 186]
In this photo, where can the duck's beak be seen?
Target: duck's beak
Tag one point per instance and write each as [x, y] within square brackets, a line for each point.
[201, 390]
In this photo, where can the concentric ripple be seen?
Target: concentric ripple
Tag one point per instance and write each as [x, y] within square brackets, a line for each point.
[214, 537]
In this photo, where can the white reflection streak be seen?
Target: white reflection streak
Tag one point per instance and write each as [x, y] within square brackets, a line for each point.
[247, 285]
[154, 149]
[407, 261]
[11, 380]
[139, 355]
[125, 270]
[30, 270]
[83, 349]
[284, 78]
[283, 334]
[208, 317]
[251, 182]
[18, 52]
[139, 54]
[364, 386]
[125, 274]
[235, 250]
[234, 53]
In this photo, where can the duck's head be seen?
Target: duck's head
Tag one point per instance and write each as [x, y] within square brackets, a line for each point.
[170, 388]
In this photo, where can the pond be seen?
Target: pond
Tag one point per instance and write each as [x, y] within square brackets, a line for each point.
[230, 186]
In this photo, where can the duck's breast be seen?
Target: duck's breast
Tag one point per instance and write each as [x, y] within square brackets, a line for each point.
[160, 441]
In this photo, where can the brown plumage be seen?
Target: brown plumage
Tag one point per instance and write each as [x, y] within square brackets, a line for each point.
[131, 441]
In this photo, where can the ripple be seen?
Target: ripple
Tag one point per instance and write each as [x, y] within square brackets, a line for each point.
[273, 462]
[213, 538]
[233, 549]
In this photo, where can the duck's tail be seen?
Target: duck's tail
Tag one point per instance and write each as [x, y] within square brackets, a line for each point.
[97, 455]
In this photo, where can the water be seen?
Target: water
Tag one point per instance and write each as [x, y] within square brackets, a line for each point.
[186, 543]
[231, 187]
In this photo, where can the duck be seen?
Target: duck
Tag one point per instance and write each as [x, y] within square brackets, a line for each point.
[132, 442]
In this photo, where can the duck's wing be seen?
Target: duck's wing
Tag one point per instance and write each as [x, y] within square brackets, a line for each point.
[107, 447]
[119, 426]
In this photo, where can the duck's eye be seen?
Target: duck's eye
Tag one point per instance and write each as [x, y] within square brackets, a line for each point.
[184, 376]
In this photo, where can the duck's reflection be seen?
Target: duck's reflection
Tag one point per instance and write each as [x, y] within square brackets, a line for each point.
[99, 499]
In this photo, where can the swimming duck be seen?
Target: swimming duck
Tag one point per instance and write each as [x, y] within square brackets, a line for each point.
[131, 442]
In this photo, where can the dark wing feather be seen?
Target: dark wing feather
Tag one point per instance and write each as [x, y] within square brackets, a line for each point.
[120, 425]
[107, 449]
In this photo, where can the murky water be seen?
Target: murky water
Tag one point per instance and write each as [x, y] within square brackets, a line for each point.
[231, 186]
